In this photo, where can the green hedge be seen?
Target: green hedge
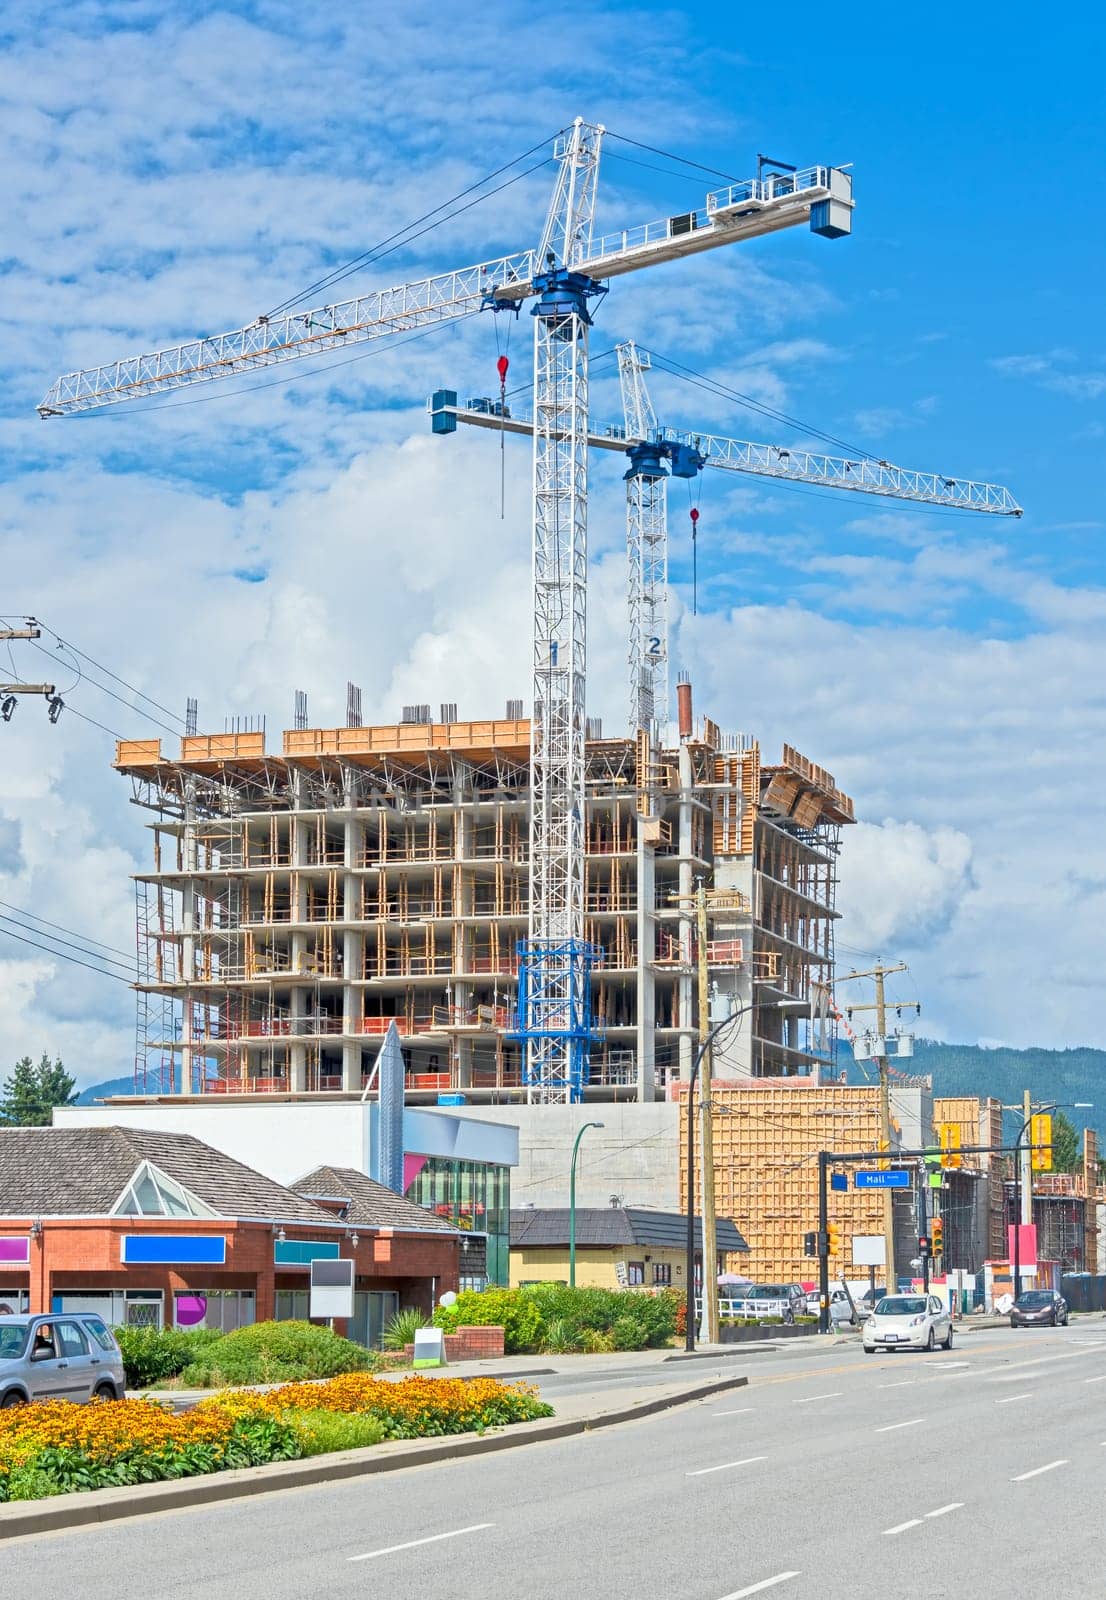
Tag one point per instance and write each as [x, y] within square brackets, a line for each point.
[553, 1318]
[152, 1355]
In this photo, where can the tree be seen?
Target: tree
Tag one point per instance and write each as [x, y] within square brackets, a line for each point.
[1065, 1144]
[30, 1094]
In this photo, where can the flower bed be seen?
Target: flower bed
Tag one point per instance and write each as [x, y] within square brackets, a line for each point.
[56, 1447]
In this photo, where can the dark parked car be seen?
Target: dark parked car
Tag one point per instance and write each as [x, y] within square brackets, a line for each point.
[1035, 1307]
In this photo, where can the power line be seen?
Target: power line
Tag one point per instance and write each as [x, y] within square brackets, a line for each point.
[61, 956]
[63, 929]
[107, 960]
[100, 667]
[83, 677]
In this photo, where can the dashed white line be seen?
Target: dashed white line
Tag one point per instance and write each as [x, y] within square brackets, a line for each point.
[916, 1522]
[1102, 1379]
[943, 1511]
[901, 1527]
[892, 1426]
[1036, 1473]
[1008, 1399]
[903, 1383]
[807, 1399]
[433, 1538]
[742, 1411]
[724, 1466]
[759, 1588]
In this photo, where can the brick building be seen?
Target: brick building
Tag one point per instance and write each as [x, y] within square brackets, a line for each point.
[160, 1228]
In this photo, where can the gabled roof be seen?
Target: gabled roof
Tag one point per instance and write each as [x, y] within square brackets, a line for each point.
[609, 1227]
[368, 1203]
[84, 1172]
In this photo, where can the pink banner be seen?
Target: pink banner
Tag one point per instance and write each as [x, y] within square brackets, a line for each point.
[1027, 1246]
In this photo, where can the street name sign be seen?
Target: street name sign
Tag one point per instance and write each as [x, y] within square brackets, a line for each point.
[893, 1178]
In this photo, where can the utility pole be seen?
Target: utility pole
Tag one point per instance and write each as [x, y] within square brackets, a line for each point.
[31, 631]
[879, 973]
[1026, 1159]
[709, 1327]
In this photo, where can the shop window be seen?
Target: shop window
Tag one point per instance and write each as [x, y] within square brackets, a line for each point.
[222, 1309]
[662, 1273]
[635, 1273]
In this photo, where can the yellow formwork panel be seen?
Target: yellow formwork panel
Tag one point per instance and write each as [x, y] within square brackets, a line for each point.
[766, 1144]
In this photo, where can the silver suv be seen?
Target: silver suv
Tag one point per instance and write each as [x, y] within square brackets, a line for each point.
[63, 1357]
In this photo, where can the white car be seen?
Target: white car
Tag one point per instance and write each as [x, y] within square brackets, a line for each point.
[908, 1322]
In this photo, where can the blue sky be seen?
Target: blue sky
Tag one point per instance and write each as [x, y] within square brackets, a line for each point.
[175, 169]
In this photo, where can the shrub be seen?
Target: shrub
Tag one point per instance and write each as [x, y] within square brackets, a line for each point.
[599, 1310]
[323, 1431]
[511, 1309]
[629, 1334]
[152, 1355]
[594, 1343]
[273, 1352]
[561, 1337]
[402, 1328]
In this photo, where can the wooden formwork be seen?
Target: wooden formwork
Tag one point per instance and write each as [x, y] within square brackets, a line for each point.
[766, 1144]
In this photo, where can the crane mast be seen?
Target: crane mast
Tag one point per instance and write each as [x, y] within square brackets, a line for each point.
[555, 962]
[646, 549]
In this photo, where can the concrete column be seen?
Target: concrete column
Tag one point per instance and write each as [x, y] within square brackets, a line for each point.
[297, 1055]
[353, 955]
[188, 940]
[686, 983]
[647, 834]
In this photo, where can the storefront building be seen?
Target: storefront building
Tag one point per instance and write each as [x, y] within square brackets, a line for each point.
[161, 1229]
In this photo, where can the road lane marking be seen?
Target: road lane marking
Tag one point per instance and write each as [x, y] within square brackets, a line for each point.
[891, 1426]
[1008, 1399]
[807, 1399]
[948, 1364]
[943, 1511]
[903, 1383]
[759, 1588]
[1039, 1361]
[1096, 1380]
[1036, 1473]
[743, 1411]
[747, 1461]
[901, 1527]
[433, 1538]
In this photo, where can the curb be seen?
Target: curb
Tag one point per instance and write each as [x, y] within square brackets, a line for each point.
[110, 1505]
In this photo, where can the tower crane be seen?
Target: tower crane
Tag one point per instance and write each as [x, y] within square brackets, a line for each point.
[657, 453]
[565, 276]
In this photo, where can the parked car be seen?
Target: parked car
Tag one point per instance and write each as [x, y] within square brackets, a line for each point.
[908, 1322]
[1036, 1307]
[63, 1357]
[786, 1300]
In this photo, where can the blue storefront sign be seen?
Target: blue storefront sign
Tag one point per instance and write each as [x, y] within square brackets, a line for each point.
[174, 1249]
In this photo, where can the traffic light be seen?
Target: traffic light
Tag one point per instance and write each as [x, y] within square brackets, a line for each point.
[1040, 1139]
[924, 1245]
[834, 1231]
[948, 1134]
[810, 1244]
[936, 1236]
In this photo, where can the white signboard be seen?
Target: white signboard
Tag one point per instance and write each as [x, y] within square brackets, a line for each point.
[869, 1250]
[429, 1348]
[331, 1288]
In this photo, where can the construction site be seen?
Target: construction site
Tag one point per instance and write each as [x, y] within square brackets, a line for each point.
[297, 904]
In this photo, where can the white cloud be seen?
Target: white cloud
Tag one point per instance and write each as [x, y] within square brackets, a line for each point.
[902, 884]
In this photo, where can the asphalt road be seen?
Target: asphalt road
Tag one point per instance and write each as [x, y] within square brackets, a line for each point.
[979, 1473]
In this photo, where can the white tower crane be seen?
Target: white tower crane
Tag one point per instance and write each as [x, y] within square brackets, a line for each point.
[564, 275]
[656, 453]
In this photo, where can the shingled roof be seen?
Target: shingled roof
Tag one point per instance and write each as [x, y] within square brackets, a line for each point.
[83, 1172]
[612, 1227]
[368, 1203]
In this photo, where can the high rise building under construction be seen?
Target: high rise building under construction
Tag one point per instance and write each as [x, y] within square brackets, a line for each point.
[298, 903]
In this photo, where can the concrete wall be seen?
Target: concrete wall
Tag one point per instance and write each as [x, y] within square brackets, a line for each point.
[634, 1155]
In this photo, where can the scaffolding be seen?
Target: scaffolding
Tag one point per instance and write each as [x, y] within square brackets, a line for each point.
[298, 903]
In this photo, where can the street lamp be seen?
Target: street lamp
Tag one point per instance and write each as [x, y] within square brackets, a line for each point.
[1054, 1105]
[572, 1203]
